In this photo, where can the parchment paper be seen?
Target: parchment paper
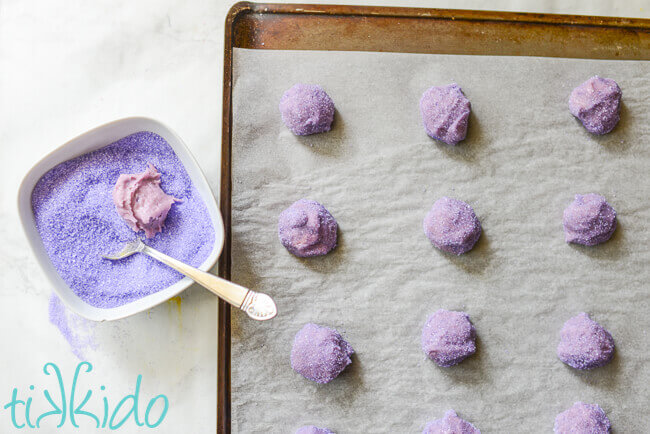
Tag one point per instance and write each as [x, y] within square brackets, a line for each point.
[378, 173]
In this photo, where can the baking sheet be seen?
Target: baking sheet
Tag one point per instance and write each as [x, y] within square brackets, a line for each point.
[378, 173]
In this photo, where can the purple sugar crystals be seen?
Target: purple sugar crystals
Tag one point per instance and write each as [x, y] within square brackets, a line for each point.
[589, 220]
[311, 429]
[597, 104]
[445, 112]
[307, 229]
[78, 223]
[450, 424]
[307, 109]
[448, 337]
[585, 344]
[452, 226]
[582, 418]
[320, 354]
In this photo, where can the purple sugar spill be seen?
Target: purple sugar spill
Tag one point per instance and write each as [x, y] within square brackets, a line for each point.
[450, 424]
[78, 223]
[597, 104]
[307, 229]
[452, 226]
[320, 354]
[448, 337]
[445, 113]
[76, 330]
[582, 418]
[589, 220]
[585, 344]
[307, 109]
[311, 429]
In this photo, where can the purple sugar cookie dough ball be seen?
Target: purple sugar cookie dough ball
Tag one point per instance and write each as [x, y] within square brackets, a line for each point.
[589, 220]
[307, 229]
[320, 354]
[597, 104]
[445, 112]
[450, 424]
[582, 418]
[452, 226]
[311, 429]
[448, 337]
[307, 109]
[585, 344]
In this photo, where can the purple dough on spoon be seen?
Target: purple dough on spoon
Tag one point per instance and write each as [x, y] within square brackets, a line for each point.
[320, 354]
[448, 337]
[452, 226]
[450, 424]
[589, 220]
[585, 344]
[597, 104]
[307, 229]
[311, 429]
[582, 418]
[445, 113]
[307, 109]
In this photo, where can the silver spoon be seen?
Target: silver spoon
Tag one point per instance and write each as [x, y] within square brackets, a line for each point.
[257, 305]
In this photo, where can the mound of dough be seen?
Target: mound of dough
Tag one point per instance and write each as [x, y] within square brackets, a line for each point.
[445, 112]
[307, 229]
[307, 109]
[597, 104]
[320, 354]
[452, 226]
[450, 424]
[589, 220]
[585, 344]
[448, 337]
[582, 419]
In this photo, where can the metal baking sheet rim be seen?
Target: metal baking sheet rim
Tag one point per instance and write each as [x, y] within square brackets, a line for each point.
[630, 39]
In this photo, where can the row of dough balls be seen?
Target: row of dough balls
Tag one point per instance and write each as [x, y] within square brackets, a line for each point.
[581, 418]
[308, 229]
[320, 354]
[308, 109]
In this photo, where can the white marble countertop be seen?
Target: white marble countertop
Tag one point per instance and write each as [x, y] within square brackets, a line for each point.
[66, 67]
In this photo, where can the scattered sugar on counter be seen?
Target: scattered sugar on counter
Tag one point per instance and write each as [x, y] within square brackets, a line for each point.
[78, 222]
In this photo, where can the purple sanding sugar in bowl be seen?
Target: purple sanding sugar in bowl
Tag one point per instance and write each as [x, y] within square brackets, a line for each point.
[78, 223]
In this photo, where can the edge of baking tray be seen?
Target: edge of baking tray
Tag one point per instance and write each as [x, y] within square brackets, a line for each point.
[619, 38]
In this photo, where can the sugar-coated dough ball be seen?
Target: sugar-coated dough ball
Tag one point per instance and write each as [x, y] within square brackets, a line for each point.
[597, 104]
[585, 344]
[311, 429]
[307, 109]
[307, 229]
[320, 353]
[452, 226]
[445, 112]
[582, 419]
[589, 220]
[448, 337]
[450, 424]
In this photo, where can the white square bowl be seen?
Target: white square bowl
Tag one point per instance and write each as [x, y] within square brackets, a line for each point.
[88, 142]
